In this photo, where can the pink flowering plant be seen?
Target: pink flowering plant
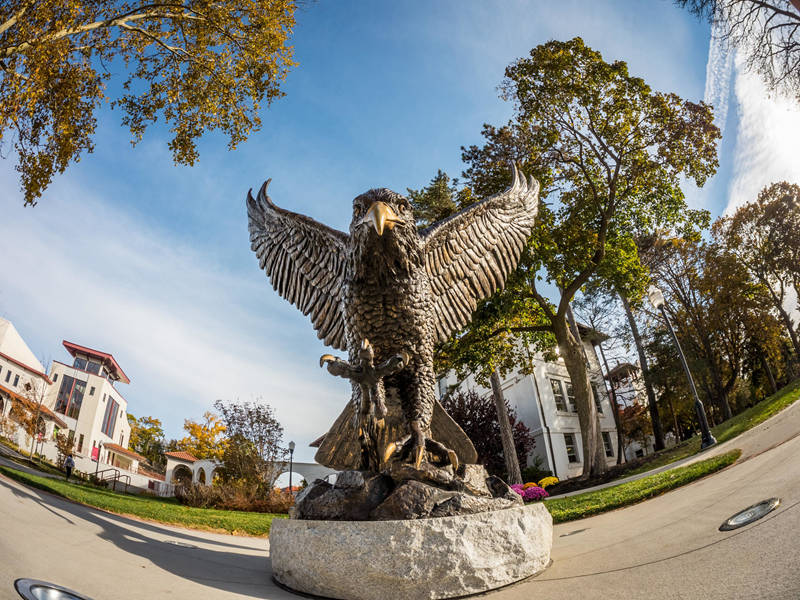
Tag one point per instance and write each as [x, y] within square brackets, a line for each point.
[530, 493]
[534, 494]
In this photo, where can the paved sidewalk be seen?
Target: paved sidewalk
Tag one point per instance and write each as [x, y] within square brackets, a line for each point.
[752, 442]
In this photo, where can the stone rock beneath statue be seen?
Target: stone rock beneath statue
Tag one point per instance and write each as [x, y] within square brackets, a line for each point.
[474, 479]
[410, 500]
[352, 498]
[411, 559]
[426, 473]
[464, 504]
[404, 492]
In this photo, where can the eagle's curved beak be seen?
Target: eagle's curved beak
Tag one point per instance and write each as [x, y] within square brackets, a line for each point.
[382, 216]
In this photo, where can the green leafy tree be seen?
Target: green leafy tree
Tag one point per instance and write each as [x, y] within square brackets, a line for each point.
[147, 438]
[721, 315]
[200, 66]
[764, 236]
[612, 153]
[438, 200]
[254, 450]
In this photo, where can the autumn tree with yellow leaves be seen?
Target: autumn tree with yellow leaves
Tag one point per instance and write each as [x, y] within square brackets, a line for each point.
[198, 66]
[205, 439]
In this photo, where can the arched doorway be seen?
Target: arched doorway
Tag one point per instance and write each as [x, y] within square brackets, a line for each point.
[201, 476]
[182, 475]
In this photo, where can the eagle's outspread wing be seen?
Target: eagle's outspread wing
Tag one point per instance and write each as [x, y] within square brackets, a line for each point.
[305, 261]
[469, 255]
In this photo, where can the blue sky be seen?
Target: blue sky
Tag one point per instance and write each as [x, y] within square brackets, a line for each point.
[151, 262]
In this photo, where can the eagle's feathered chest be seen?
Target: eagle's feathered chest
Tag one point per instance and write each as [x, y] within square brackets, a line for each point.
[393, 313]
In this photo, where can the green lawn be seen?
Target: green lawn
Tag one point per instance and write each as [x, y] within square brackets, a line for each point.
[726, 430]
[163, 510]
[592, 503]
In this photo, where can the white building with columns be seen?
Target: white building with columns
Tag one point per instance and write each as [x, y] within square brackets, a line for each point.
[544, 402]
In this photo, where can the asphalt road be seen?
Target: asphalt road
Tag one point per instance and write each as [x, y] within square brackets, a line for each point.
[668, 547]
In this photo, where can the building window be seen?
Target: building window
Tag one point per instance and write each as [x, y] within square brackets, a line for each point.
[572, 449]
[558, 394]
[597, 399]
[80, 363]
[8, 376]
[80, 443]
[110, 418]
[122, 439]
[55, 377]
[91, 391]
[16, 380]
[70, 396]
[93, 367]
[570, 396]
[607, 443]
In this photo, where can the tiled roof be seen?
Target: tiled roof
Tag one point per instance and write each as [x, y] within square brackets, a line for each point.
[151, 474]
[124, 451]
[181, 456]
[31, 405]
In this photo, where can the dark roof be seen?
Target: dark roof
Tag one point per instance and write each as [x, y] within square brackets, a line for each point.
[107, 359]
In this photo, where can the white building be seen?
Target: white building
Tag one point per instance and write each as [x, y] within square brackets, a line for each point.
[545, 403]
[80, 399]
[23, 383]
[85, 396]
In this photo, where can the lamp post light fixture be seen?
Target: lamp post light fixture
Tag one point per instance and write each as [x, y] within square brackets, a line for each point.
[291, 456]
[656, 297]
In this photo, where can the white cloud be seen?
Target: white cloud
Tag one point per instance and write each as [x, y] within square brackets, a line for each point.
[185, 331]
[768, 138]
[718, 75]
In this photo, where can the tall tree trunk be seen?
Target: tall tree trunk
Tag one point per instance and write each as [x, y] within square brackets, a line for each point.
[506, 435]
[594, 456]
[678, 436]
[614, 407]
[655, 418]
[770, 376]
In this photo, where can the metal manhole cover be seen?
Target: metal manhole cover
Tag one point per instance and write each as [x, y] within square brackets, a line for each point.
[32, 589]
[750, 514]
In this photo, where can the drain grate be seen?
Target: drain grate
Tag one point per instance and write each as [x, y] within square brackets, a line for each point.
[32, 589]
[750, 514]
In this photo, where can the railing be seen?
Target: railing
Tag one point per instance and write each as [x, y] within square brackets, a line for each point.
[115, 476]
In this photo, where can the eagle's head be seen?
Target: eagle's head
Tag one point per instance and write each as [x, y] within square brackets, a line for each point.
[384, 234]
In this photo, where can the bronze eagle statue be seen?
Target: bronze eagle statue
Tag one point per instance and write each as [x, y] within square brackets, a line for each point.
[402, 289]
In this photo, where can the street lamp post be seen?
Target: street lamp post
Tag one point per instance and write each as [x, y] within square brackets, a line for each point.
[291, 456]
[656, 297]
[97, 464]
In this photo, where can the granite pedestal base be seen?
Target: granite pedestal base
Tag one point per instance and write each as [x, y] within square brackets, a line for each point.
[414, 559]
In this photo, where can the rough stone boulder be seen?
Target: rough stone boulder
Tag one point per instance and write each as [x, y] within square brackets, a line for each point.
[405, 492]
